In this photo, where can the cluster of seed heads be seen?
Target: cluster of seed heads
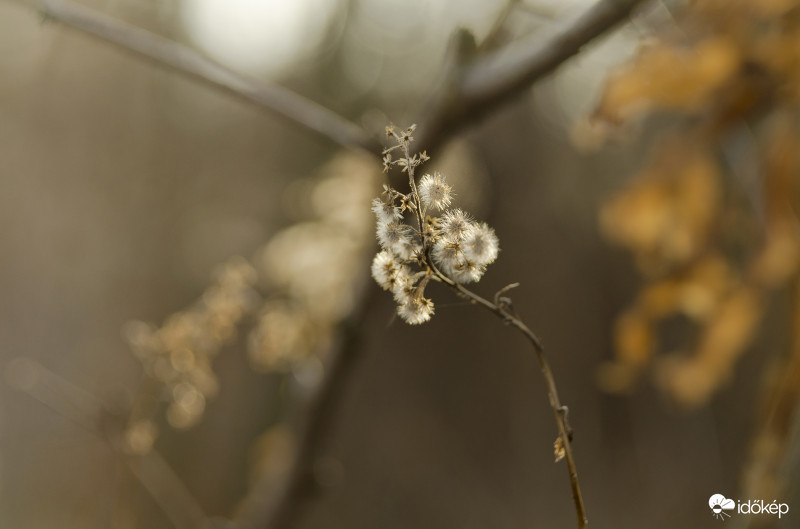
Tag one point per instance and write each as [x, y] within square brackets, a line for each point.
[437, 242]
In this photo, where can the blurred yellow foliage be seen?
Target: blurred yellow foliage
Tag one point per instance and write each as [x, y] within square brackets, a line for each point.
[666, 76]
[311, 270]
[728, 66]
[665, 215]
[315, 266]
[177, 356]
[691, 380]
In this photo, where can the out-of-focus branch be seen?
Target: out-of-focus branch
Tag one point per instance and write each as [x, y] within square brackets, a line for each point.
[497, 27]
[87, 411]
[475, 89]
[287, 103]
[167, 489]
[320, 420]
[495, 79]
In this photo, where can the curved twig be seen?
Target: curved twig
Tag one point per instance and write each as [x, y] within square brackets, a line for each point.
[564, 430]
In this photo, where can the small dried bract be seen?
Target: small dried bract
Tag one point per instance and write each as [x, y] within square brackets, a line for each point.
[435, 243]
[559, 450]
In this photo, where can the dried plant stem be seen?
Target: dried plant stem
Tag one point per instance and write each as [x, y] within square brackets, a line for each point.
[500, 310]
[289, 104]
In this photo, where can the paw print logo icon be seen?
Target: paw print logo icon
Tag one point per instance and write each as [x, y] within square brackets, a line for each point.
[719, 504]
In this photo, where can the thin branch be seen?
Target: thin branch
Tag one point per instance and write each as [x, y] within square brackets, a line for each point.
[87, 411]
[484, 85]
[289, 104]
[495, 79]
[320, 418]
[493, 36]
[167, 489]
[500, 310]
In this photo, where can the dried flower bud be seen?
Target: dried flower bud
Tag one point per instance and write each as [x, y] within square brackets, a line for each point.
[559, 450]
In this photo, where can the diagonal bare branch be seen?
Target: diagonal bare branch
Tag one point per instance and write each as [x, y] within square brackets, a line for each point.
[88, 412]
[285, 102]
[477, 89]
[497, 78]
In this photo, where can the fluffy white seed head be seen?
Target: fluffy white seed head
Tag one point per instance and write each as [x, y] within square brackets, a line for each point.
[454, 224]
[416, 310]
[385, 269]
[467, 272]
[394, 236]
[481, 244]
[464, 248]
[407, 250]
[447, 253]
[434, 191]
[404, 287]
[385, 212]
[460, 269]
[460, 247]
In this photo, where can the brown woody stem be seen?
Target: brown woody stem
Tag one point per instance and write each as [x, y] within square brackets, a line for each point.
[499, 310]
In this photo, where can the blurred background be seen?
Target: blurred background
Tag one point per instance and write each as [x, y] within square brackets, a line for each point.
[176, 264]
